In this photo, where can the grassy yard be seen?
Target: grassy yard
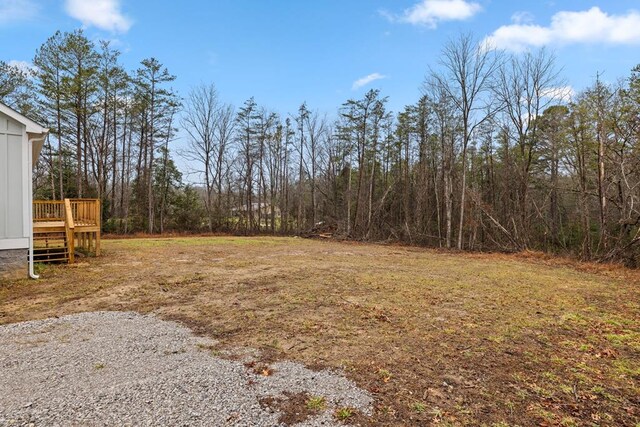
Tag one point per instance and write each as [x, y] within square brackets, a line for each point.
[438, 338]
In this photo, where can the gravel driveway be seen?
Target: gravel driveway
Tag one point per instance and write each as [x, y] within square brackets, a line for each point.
[114, 368]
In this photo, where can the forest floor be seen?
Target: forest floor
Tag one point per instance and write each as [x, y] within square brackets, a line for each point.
[437, 337]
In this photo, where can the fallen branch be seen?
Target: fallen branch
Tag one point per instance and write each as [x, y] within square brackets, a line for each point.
[475, 199]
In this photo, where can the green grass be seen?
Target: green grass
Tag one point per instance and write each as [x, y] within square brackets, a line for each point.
[343, 413]
[316, 403]
[418, 407]
[626, 338]
[627, 367]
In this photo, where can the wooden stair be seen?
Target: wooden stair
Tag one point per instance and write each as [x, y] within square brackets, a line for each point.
[50, 247]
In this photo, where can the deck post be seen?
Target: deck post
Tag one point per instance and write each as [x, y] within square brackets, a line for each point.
[99, 222]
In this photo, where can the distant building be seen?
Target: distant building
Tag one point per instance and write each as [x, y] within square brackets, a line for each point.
[263, 208]
[21, 140]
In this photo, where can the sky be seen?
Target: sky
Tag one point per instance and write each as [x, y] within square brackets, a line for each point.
[327, 51]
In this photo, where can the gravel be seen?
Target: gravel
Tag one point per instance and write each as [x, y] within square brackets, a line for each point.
[115, 368]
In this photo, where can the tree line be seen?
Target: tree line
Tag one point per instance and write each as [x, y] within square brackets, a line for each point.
[495, 154]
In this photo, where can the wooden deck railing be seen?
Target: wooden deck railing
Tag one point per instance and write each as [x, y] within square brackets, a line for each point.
[48, 210]
[82, 211]
[86, 211]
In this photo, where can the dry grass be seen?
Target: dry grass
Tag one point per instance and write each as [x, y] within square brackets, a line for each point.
[438, 338]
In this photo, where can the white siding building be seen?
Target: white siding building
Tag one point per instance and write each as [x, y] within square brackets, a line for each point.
[21, 140]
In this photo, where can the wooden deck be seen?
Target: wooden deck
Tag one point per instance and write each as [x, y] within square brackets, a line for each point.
[44, 226]
[62, 226]
[47, 226]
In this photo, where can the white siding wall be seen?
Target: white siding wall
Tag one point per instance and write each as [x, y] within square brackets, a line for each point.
[13, 177]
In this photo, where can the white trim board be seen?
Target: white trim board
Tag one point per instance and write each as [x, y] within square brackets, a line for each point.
[22, 243]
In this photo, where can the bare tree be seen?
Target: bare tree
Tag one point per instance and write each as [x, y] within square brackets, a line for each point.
[224, 134]
[446, 124]
[527, 85]
[200, 121]
[467, 71]
[316, 128]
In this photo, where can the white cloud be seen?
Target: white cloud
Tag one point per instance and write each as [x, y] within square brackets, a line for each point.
[561, 93]
[366, 80]
[522, 17]
[590, 26]
[24, 66]
[16, 10]
[103, 14]
[518, 37]
[430, 12]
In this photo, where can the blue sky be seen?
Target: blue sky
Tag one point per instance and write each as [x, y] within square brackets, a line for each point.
[286, 52]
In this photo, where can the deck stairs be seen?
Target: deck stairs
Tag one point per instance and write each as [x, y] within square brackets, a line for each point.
[51, 246]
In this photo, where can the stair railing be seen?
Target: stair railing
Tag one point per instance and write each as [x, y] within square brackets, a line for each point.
[69, 226]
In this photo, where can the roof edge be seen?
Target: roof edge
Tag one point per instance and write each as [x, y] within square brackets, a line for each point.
[32, 127]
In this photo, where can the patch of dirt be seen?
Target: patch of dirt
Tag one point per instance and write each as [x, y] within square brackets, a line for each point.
[260, 368]
[293, 408]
